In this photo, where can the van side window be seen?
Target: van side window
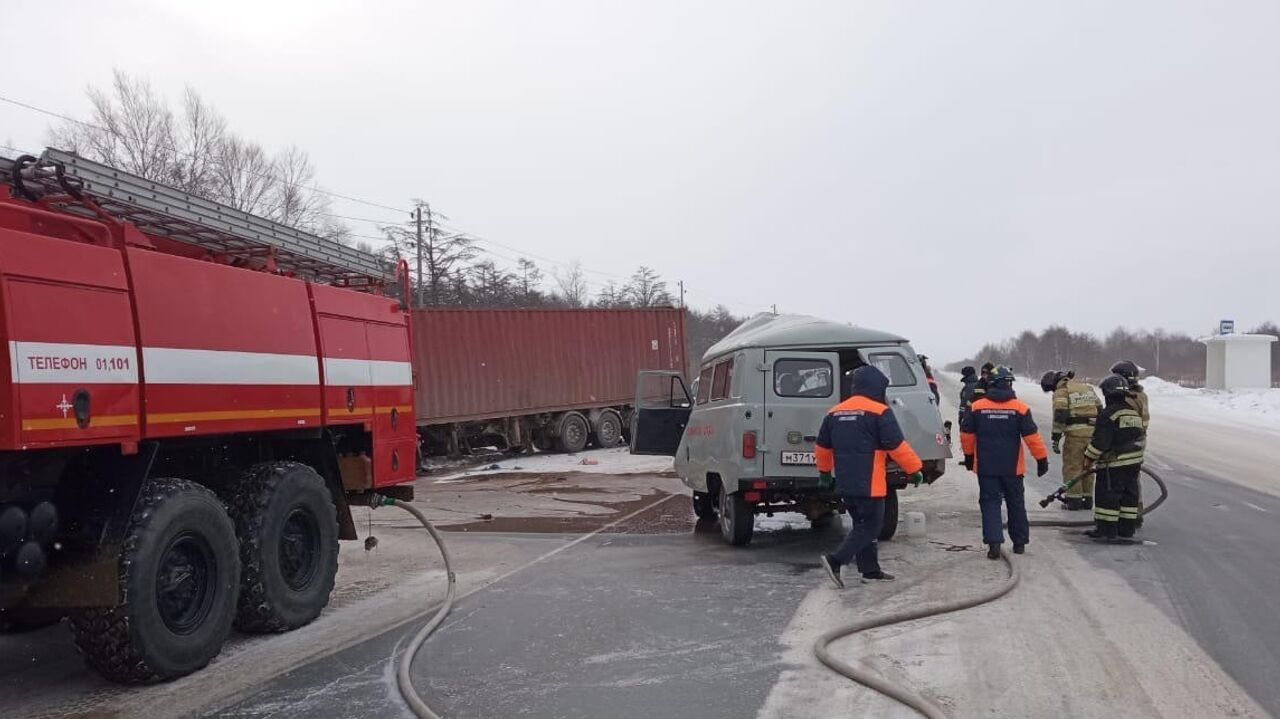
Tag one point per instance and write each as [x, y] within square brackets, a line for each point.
[895, 368]
[802, 378]
[723, 378]
[704, 385]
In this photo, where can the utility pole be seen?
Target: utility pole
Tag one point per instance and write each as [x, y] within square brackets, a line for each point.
[417, 213]
[774, 307]
[681, 283]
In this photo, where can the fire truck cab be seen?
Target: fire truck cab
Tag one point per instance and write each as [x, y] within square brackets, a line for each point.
[196, 397]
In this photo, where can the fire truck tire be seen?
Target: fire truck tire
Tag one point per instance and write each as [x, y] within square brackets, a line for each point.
[573, 432]
[288, 531]
[179, 576]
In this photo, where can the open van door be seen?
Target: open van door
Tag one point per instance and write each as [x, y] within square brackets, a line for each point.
[663, 404]
[912, 401]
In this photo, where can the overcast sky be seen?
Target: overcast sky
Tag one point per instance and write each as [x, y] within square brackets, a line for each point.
[952, 171]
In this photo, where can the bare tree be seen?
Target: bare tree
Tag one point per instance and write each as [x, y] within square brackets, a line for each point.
[244, 179]
[647, 289]
[611, 295]
[572, 284]
[530, 278]
[132, 128]
[443, 256]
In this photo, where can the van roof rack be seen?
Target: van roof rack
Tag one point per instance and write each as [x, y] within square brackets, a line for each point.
[158, 209]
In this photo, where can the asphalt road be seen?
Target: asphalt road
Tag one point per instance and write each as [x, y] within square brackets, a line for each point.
[620, 626]
[1215, 564]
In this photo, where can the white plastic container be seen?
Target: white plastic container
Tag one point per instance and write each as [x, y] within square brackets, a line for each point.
[915, 524]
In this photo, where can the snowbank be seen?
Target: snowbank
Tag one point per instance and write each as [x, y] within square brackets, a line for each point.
[617, 460]
[1258, 408]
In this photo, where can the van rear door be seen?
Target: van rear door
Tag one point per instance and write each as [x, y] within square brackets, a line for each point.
[662, 411]
[912, 401]
[800, 388]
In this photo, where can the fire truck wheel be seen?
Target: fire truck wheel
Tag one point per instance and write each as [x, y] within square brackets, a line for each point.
[288, 531]
[179, 575]
[572, 437]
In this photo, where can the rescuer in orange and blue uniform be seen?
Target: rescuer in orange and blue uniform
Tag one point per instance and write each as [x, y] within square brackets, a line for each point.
[855, 438]
[992, 434]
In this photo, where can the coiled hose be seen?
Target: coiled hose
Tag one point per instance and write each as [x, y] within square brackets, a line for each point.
[904, 694]
[403, 678]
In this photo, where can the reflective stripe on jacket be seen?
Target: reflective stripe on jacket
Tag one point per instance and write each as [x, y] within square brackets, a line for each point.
[1075, 408]
[857, 437]
[1119, 439]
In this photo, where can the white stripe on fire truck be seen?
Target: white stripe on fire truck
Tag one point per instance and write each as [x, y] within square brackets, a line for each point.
[165, 365]
[69, 363]
[380, 373]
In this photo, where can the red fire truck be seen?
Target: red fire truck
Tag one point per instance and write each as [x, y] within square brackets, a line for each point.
[195, 398]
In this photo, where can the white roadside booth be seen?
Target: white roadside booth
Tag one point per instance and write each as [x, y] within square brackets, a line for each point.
[1237, 361]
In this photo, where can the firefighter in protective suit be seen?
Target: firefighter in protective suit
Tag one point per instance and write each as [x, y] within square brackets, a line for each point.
[1075, 410]
[1116, 449]
[1137, 399]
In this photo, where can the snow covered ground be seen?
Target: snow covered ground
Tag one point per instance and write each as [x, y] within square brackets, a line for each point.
[617, 460]
[1259, 408]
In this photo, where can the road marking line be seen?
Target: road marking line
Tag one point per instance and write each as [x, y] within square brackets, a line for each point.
[1251, 505]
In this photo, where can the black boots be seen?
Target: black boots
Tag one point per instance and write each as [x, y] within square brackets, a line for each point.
[993, 551]
[1019, 549]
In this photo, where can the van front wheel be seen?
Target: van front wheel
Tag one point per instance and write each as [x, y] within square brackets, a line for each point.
[737, 520]
[890, 526]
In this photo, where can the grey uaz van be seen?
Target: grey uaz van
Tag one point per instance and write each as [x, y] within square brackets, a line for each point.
[744, 441]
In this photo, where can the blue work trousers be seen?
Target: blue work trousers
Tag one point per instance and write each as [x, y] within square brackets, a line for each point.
[866, 514]
[994, 490]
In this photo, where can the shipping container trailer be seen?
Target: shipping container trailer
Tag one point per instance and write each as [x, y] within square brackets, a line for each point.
[550, 379]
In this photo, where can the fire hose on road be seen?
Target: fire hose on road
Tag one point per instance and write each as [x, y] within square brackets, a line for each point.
[904, 694]
[403, 678]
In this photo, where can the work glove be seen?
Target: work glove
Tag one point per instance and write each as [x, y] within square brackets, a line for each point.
[825, 480]
[1042, 467]
[968, 462]
[1057, 444]
[917, 479]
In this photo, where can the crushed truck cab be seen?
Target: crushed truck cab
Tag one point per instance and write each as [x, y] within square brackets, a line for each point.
[744, 441]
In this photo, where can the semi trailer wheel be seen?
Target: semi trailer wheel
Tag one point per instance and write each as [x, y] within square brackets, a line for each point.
[890, 526]
[288, 531]
[572, 435]
[179, 576]
[608, 429]
[737, 520]
[704, 506]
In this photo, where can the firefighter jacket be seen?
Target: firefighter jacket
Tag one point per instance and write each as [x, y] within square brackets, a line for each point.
[1075, 408]
[859, 435]
[1138, 402]
[1119, 438]
[994, 430]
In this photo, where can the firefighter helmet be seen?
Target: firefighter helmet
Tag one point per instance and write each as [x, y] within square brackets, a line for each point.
[1114, 385]
[1000, 377]
[1127, 369]
[1049, 382]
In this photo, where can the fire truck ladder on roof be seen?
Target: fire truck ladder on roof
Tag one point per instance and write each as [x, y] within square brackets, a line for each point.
[222, 230]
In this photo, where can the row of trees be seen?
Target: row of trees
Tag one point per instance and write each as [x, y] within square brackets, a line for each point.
[1173, 356]
[135, 129]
